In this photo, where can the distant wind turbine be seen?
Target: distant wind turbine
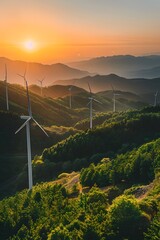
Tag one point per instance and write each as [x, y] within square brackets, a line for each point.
[70, 95]
[27, 125]
[91, 105]
[114, 99]
[6, 85]
[41, 84]
[155, 99]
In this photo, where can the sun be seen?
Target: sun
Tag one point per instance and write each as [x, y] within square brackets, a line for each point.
[29, 45]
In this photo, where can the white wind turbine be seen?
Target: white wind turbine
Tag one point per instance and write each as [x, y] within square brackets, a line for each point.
[91, 106]
[27, 125]
[114, 99]
[70, 95]
[41, 84]
[155, 99]
[6, 86]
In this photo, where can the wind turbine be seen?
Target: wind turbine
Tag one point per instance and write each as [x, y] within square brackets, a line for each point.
[70, 94]
[6, 85]
[41, 83]
[155, 98]
[114, 99]
[27, 125]
[91, 106]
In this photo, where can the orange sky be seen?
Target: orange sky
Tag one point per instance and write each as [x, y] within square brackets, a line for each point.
[72, 30]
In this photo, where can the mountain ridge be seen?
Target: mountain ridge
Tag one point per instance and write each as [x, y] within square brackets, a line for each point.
[36, 71]
[124, 65]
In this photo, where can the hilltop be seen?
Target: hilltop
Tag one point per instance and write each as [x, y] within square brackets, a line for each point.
[37, 71]
[123, 65]
[100, 83]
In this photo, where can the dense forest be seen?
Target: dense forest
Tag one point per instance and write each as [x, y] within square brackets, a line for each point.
[97, 184]
[50, 211]
[89, 184]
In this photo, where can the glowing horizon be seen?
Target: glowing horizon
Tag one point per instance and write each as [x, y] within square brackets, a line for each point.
[64, 31]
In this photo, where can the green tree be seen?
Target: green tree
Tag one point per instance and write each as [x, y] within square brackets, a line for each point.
[59, 233]
[153, 232]
[126, 219]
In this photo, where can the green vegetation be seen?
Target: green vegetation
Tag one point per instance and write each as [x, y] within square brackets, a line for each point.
[137, 166]
[88, 147]
[13, 154]
[113, 193]
[46, 110]
[50, 211]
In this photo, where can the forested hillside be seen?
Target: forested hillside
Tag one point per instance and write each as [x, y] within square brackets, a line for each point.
[119, 133]
[13, 152]
[46, 110]
[104, 182]
[49, 111]
[118, 211]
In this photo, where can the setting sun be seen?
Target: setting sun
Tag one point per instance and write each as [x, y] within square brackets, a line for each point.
[29, 45]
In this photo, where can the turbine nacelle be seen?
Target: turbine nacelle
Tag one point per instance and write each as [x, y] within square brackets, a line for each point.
[28, 118]
[91, 99]
[24, 117]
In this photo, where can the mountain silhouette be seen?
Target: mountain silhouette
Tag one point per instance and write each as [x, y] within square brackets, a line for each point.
[37, 71]
[123, 65]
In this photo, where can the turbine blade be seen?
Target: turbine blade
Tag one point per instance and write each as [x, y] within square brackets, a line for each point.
[23, 125]
[73, 84]
[88, 103]
[112, 88]
[89, 88]
[20, 75]
[156, 93]
[96, 100]
[40, 127]
[43, 79]
[5, 73]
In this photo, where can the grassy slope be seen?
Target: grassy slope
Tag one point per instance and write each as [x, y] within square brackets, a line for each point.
[45, 110]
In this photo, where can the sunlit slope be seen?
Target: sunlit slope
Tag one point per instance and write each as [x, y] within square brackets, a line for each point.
[103, 82]
[118, 134]
[109, 137]
[66, 209]
[56, 91]
[57, 111]
[46, 110]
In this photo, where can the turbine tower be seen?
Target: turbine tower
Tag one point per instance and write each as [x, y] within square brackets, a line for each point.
[70, 96]
[41, 83]
[27, 125]
[114, 99]
[91, 106]
[6, 85]
[155, 99]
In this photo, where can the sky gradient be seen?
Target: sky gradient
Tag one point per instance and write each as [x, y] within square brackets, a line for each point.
[72, 30]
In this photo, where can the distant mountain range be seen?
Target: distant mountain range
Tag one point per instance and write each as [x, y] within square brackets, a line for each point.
[49, 111]
[56, 91]
[123, 65]
[37, 71]
[127, 66]
[101, 83]
[148, 73]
